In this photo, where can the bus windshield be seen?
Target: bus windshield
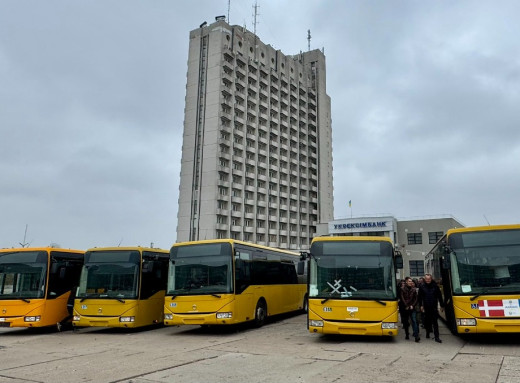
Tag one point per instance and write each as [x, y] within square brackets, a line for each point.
[352, 270]
[485, 261]
[110, 274]
[23, 274]
[200, 269]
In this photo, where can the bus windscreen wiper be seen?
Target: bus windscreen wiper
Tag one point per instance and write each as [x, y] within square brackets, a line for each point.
[25, 300]
[380, 302]
[487, 290]
[87, 296]
[216, 295]
[325, 300]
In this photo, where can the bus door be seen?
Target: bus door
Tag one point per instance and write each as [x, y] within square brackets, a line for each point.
[244, 306]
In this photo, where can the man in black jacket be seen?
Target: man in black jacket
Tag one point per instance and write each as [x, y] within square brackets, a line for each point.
[429, 296]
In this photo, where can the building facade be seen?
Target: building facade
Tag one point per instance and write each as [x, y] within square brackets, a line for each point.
[257, 143]
[414, 238]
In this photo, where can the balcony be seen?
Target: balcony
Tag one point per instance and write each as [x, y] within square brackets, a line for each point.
[237, 200]
[222, 226]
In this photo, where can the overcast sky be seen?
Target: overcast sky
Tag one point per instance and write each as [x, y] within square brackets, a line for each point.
[425, 110]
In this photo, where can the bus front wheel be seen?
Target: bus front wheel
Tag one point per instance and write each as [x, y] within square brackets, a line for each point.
[260, 313]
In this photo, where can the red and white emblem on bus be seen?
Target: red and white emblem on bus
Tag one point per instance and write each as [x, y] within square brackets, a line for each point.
[499, 308]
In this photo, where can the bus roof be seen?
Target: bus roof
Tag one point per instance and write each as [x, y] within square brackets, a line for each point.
[234, 241]
[481, 228]
[127, 248]
[19, 249]
[352, 238]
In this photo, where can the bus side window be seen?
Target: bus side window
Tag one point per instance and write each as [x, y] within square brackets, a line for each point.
[154, 276]
[242, 270]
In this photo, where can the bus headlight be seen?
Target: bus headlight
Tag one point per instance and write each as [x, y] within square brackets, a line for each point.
[168, 316]
[126, 319]
[389, 325]
[224, 315]
[32, 319]
[315, 323]
[76, 318]
[466, 322]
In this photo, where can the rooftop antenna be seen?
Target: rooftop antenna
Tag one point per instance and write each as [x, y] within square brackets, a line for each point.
[255, 22]
[255, 14]
[308, 39]
[24, 244]
[486, 220]
[119, 244]
[228, 7]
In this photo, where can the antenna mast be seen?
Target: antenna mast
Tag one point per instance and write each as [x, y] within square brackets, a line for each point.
[255, 14]
[308, 39]
[228, 7]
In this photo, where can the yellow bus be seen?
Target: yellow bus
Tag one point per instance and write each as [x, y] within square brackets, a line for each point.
[352, 286]
[121, 287]
[227, 282]
[36, 286]
[478, 270]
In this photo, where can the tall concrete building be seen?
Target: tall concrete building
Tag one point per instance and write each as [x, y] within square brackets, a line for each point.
[257, 143]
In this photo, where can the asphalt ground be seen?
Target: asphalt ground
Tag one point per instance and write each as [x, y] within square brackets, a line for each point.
[280, 351]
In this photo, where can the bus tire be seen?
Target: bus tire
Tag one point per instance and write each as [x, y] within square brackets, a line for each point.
[260, 313]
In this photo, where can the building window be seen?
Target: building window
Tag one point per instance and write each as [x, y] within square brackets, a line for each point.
[415, 238]
[416, 268]
[434, 236]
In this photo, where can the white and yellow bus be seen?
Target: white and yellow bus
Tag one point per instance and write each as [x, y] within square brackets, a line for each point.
[121, 287]
[478, 270]
[352, 286]
[227, 282]
[36, 286]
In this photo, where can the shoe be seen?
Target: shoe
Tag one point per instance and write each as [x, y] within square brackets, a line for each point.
[438, 340]
[407, 336]
[417, 339]
[427, 335]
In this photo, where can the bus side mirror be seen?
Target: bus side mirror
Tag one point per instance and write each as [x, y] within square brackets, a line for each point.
[399, 261]
[304, 255]
[300, 270]
[446, 261]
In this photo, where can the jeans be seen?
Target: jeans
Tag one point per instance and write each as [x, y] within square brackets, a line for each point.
[406, 315]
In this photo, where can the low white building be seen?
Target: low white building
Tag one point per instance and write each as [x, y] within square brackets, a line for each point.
[414, 238]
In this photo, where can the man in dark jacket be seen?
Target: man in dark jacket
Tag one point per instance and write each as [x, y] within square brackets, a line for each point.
[429, 298]
[409, 301]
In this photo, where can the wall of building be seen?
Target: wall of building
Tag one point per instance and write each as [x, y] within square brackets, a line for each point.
[257, 144]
